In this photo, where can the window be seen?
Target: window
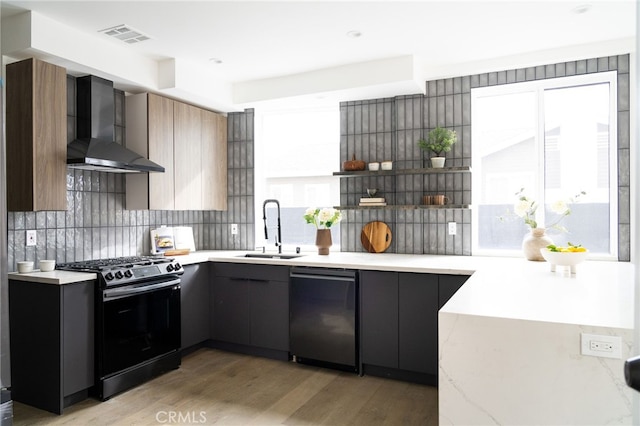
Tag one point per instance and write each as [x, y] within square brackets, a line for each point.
[555, 138]
[297, 152]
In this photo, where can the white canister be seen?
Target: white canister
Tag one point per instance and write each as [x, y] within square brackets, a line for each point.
[47, 265]
[387, 165]
[374, 166]
[25, 267]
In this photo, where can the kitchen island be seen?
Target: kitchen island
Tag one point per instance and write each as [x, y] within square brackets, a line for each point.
[510, 346]
[509, 339]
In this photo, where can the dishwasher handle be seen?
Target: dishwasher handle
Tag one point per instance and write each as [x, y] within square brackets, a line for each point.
[323, 274]
[323, 277]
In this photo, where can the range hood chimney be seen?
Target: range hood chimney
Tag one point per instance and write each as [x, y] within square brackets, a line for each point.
[95, 148]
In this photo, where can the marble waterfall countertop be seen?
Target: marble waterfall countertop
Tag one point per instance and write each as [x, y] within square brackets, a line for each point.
[511, 342]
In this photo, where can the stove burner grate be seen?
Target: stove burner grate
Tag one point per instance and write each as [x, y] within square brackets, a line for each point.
[108, 263]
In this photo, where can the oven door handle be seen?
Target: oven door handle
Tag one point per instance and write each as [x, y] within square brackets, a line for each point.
[120, 292]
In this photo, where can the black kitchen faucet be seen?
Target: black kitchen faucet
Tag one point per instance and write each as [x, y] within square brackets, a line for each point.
[266, 229]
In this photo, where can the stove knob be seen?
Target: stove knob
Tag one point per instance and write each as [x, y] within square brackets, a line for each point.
[119, 275]
[128, 273]
[177, 266]
[108, 276]
[170, 267]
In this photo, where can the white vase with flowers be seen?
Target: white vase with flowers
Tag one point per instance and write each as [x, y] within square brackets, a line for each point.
[536, 239]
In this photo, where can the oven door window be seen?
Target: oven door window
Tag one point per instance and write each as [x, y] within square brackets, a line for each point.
[139, 328]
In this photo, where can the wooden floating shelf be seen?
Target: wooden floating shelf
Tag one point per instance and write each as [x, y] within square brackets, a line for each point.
[403, 172]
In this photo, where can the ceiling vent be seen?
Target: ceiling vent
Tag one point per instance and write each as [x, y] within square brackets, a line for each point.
[125, 33]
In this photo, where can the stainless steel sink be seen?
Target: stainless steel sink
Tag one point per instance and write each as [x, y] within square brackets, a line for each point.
[271, 255]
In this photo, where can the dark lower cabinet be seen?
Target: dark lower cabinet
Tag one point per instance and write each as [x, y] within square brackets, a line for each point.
[51, 343]
[194, 304]
[418, 323]
[399, 322]
[379, 318]
[230, 310]
[269, 314]
[250, 308]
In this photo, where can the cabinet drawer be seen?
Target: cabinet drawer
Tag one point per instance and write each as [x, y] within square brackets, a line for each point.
[252, 272]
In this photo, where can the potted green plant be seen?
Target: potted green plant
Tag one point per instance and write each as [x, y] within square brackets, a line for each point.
[439, 141]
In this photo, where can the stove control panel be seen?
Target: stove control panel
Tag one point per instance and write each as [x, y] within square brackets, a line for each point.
[125, 274]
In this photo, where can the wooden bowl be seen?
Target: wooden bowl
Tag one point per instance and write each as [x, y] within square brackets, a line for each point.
[353, 165]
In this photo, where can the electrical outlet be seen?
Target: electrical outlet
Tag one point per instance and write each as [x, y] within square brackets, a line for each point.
[452, 228]
[234, 229]
[31, 237]
[602, 346]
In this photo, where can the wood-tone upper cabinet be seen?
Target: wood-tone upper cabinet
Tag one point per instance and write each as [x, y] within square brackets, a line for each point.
[161, 185]
[189, 142]
[36, 126]
[214, 155]
[187, 151]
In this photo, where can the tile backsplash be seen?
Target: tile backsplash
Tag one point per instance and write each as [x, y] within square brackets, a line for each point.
[96, 223]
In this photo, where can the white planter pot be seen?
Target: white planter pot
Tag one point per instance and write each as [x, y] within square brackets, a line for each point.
[437, 162]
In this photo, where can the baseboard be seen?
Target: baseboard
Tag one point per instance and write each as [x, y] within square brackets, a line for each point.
[248, 350]
[403, 375]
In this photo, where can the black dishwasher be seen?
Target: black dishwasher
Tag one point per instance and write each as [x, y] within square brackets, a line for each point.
[323, 315]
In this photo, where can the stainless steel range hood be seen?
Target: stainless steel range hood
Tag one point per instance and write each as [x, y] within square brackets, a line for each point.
[95, 148]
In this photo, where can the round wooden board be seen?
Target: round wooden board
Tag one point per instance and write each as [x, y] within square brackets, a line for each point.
[375, 237]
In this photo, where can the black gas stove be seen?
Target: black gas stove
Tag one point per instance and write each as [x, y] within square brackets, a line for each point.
[125, 270]
[137, 317]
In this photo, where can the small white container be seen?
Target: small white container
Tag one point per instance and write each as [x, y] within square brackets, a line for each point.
[374, 166]
[47, 265]
[387, 165]
[25, 267]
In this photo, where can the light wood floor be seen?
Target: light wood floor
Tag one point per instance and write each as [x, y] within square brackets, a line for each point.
[216, 387]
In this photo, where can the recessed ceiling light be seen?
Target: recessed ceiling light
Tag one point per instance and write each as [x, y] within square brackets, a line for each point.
[583, 8]
[354, 34]
[125, 33]
[215, 61]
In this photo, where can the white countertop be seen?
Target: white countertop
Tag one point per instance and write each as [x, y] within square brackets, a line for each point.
[454, 265]
[599, 294]
[53, 277]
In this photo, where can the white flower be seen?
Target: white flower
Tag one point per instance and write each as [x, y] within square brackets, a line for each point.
[559, 207]
[322, 218]
[325, 215]
[526, 209]
[521, 208]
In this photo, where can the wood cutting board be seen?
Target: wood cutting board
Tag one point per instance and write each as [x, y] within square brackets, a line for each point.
[176, 252]
[376, 237]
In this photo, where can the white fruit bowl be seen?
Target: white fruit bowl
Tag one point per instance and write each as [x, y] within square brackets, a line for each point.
[570, 259]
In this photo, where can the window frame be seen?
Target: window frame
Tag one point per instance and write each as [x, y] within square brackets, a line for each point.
[263, 178]
[539, 86]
